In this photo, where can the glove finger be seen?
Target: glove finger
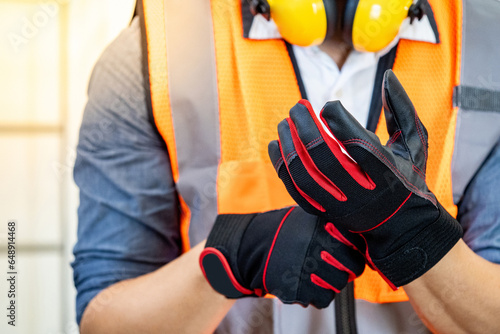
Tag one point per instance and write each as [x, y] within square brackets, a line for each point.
[344, 236]
[324, 280]
[362, 145]
[376, 160]
[312, 132]
[309, 139]
[320, 280]
[274, 150]
[400, 115]
[328, 166]
[314, 193]
[316, 293]
[341, 253]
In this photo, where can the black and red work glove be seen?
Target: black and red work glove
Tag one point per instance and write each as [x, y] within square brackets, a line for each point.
[375, 191]
[288, 253]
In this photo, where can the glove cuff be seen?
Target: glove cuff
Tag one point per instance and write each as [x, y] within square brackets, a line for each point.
[422, 252]
[218, 261]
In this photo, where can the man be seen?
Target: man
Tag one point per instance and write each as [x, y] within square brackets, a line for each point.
[131, 231]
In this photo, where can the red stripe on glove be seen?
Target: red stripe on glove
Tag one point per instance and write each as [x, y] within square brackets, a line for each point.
[349, 165]
[311, 167]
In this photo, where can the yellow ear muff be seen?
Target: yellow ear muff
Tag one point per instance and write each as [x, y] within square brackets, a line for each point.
[377, 22]
[300, 22]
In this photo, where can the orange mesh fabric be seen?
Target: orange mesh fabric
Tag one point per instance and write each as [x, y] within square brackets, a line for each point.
[257, 88]
[428, 72]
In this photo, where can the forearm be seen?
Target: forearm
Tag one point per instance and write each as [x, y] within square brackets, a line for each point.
[175, 299]
[461, 294]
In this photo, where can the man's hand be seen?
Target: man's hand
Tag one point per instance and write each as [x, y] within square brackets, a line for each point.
[376, 192]
[289, 253]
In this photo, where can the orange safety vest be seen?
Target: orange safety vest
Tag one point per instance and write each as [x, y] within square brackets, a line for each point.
[255, 87]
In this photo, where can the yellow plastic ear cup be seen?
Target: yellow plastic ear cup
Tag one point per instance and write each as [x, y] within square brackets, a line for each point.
[300, 22]
[377, 22]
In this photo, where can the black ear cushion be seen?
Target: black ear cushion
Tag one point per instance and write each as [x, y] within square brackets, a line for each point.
[348, 20]
[332, 17]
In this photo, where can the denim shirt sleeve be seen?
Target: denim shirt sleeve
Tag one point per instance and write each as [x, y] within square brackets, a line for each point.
[128, 217]
[479, 210]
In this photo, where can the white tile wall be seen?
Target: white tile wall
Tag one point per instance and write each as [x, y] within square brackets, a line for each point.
[29, 63]
[30, 186]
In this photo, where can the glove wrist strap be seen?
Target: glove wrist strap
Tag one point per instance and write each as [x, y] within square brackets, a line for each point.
[218, 260]
[422, 252]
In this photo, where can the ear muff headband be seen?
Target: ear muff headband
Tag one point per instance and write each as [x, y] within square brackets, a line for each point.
[373, 24]
[304, 22]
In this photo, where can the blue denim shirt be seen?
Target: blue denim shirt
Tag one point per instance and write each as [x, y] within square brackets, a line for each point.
[128, 214]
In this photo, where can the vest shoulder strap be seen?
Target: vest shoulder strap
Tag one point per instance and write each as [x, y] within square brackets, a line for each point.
[183, 80]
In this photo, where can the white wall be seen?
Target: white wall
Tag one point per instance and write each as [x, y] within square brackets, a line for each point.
[47, 51]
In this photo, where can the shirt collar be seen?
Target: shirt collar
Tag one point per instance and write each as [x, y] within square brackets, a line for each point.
[425, 30]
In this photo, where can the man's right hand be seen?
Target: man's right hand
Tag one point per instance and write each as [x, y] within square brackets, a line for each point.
[289, 253]
[377, 192]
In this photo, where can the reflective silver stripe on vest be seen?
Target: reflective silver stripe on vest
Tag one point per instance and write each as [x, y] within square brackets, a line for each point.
[478, 129]
[192, 79]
